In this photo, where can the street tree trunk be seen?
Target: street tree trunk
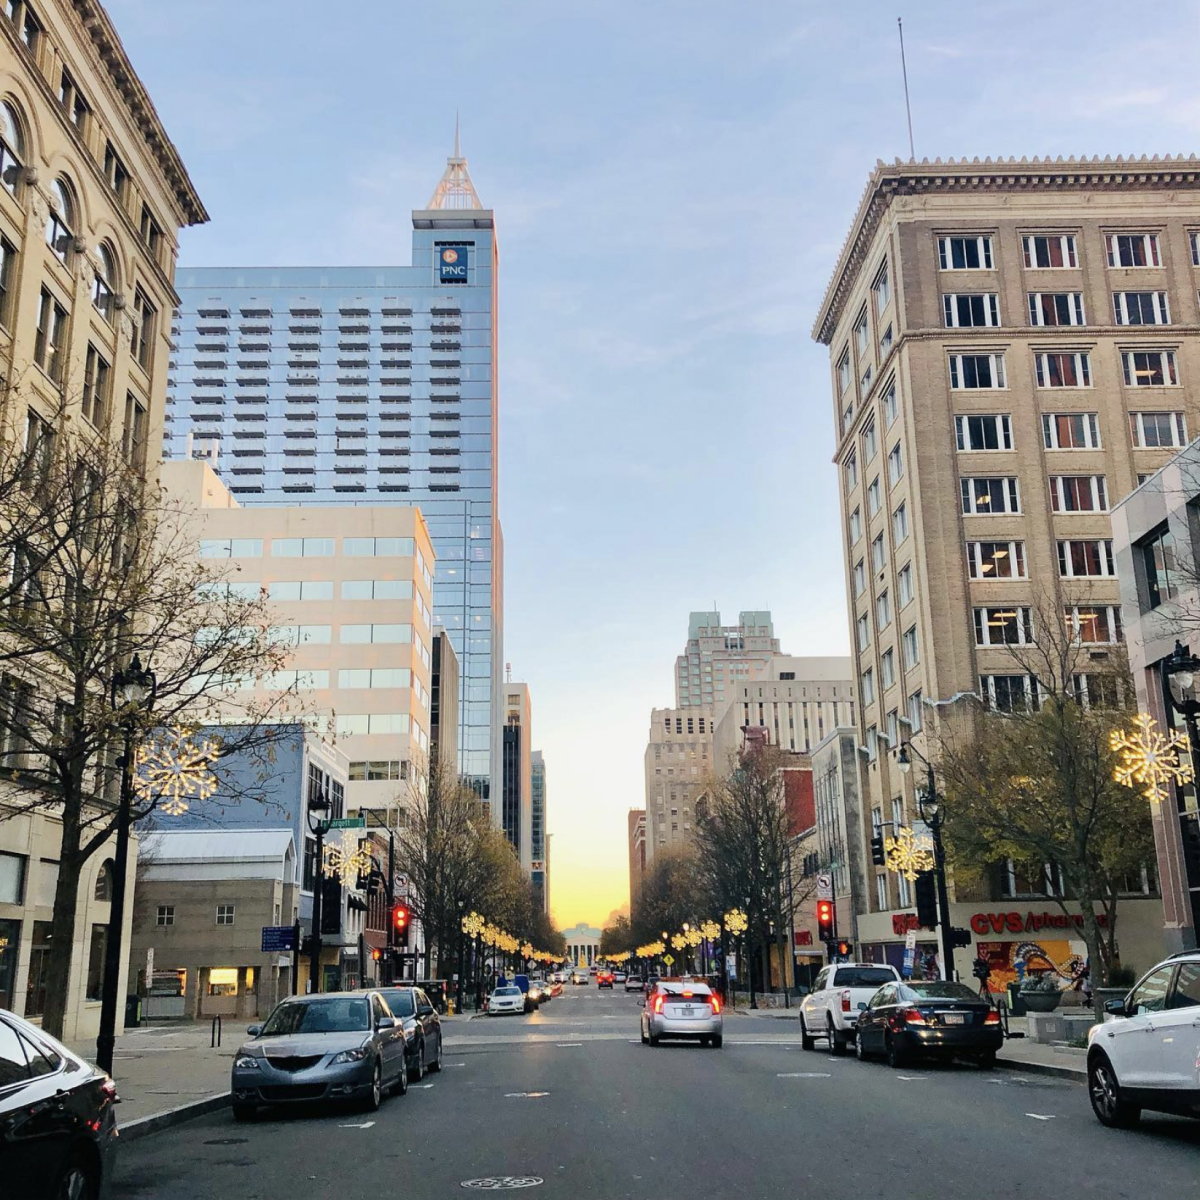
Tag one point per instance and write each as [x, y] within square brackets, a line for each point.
[62, 941]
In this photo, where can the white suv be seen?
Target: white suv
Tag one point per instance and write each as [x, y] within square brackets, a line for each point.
[839, 993]
[1145, 1055]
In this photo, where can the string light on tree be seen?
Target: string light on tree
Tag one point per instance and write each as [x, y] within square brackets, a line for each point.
[1150, 760]
[907, 855]
[736, 922]
[175, 767]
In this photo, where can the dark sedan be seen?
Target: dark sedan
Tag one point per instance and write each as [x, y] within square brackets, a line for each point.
[58, 1127]
[422, 1027]
[928, 1017]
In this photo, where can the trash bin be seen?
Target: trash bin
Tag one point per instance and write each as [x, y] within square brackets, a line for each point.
[133, 1012]
[1016, 1005]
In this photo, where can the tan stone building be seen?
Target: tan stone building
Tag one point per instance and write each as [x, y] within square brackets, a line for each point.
[352, 588]
[678, 761]
[636, 830]
[1013, 345]
[719, 657]
[92, 195]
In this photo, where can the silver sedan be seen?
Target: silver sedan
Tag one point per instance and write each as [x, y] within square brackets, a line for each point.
[345, 1046]
[682, 1010]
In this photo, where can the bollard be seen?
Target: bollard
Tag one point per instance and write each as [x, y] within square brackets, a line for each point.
[216, 1032]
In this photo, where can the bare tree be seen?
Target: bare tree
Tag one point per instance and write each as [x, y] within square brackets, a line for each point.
[101, 566]
[1031, 777]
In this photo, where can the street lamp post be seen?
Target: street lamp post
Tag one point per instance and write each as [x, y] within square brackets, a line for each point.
[931, 814]
[133, 691]
[1182, 670]
[318, 804]
[458, 991]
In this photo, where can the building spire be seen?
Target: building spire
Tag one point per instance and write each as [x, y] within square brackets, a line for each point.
[455, 189]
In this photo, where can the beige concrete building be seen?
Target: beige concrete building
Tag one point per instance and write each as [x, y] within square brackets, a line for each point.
[352, 589]
[1013, 345]
[719, 657]
[637, 854]
[516, 778]
[92, 195]
[677, 764]
[796, 700]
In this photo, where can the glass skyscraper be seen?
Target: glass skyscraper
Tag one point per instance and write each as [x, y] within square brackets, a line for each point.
[363, 385]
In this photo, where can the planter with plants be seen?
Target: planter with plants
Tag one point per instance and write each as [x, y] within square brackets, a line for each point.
[1041, 993]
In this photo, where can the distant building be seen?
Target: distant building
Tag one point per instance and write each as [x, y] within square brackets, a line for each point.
[637, 855]
[719, 657]
[539, 874]
[516, 792]
[443, 702]
[583, 944]
[677, 764]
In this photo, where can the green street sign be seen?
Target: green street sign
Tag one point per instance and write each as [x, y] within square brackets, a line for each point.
[347, 823]
[669, 959]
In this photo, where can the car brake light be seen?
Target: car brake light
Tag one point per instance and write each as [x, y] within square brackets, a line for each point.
[914, 1016]
[715, 1001]
[688, 995]
[993, 1018]
[109, 1090]
[845, 1002]
[658, 1004]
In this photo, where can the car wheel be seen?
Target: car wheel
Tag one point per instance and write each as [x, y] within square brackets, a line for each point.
[806, 1041]
[837, 1045]
[244, 1112]
[75, 1181]
[716, 1041]
[860, 1051]
[645, 1039]
[653, 1038]
[374, 1097]
[1105, 1094]
[987, 1060]
[400, 1087]
[419, 1072]
[436, 1065]
[895, 1056]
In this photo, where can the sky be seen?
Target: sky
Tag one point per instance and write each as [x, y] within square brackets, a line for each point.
[672, 184]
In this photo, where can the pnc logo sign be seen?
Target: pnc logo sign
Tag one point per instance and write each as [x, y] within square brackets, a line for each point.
[452, 264]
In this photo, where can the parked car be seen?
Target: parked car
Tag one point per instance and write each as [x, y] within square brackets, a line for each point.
[414, 1009]
[839, 993]
[1145, 1055]
[508, 999]
[928, 1017]
[682, 1010]
[345, 1046]
[604, 979]
[633, 983]
[579, 977]
[58, 1124]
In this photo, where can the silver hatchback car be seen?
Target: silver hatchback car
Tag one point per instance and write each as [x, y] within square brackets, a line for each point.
[344, 1046]
[678, 1009]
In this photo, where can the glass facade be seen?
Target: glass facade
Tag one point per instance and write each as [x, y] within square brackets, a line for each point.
[364, 385]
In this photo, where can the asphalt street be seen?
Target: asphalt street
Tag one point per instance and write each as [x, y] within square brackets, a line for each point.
[570, 1098]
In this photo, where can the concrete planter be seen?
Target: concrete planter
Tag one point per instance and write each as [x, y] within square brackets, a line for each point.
[1040, 1002]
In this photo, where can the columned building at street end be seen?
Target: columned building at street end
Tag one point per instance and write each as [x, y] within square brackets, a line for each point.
[1013, 347]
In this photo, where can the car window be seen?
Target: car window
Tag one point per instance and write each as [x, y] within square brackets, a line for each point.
[379, 1008]
[1151, 994]
[862, 976]
[423, 998]
[41, 1062]
[13, 1067]
[885, 995]
[400, 1002]
[938, 989]
[333, 1015]
[820, 980]
[1186, 992]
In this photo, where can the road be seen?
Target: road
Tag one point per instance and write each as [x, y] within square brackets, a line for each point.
[570, 1096]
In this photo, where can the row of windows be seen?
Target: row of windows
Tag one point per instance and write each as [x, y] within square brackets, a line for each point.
[974, 252]
[1091, 624]
[1086, 558]
[987, 495]
[309, 589]
[313, 547]
[225, 914]
[981, 310]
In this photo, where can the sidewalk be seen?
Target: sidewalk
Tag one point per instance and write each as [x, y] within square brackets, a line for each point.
[1017, 1053]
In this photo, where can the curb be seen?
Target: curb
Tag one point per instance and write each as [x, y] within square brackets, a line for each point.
[144, 1126]
[1077, 1075]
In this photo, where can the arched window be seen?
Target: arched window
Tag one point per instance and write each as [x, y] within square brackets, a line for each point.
[104, 881]
[12, 148]
[60, 224]
[106, 282]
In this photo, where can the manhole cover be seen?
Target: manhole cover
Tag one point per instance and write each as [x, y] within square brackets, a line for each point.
[503, 1183]
[226, 1141]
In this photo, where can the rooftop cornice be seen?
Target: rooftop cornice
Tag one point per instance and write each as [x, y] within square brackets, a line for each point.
[901, 178]
[103, 35]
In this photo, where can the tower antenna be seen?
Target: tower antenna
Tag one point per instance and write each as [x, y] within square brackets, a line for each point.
[912, 154]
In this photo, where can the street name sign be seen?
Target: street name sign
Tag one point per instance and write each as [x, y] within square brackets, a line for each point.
[278, 938]
[347, 823]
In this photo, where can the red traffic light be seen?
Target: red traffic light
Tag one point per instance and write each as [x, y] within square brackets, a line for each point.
[825, 919]
[376, 954]
[843, 949]
[400, 918]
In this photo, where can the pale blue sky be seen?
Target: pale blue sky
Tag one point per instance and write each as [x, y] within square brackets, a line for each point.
[672, 183]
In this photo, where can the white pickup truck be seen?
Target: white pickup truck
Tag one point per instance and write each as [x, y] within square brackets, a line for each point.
[839, 993]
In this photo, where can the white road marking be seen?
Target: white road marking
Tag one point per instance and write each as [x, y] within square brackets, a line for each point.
[363, 1125]
[912, 1078]
[425, 1086]
[524, 1095]
[567, 1045]
[1041, 1116]
[804, 1075]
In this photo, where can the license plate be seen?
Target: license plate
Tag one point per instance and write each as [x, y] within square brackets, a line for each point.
[687, 1012]
[954, 1019]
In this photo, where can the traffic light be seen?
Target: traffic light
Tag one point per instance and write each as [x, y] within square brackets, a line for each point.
[877, 855]
[376, 954]
[844, 949]
[926, 889]
[400, 925]
[825, 920]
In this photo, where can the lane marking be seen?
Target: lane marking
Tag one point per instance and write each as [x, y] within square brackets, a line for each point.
[804, 1075]
[568, 1045]
[1041, 1116]
[363, 1125]
[424, 1086]
[524, 1095]
[912, 1078]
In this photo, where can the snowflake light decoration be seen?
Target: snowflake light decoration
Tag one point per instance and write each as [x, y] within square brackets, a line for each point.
[1150, 759]
[907, 855]
[347, 860]
[174, 767]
